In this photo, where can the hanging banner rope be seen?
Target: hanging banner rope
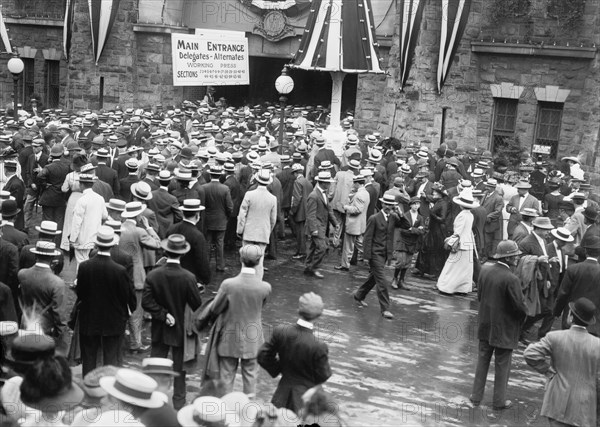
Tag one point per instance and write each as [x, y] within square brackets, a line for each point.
[455, 14]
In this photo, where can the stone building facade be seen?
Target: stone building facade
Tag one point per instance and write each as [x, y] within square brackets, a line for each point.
[522, 74]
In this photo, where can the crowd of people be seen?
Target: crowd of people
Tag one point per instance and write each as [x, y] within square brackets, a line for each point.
[143, 199]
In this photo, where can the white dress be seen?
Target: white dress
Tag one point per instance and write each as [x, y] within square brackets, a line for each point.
[71, 183]
[457, 274]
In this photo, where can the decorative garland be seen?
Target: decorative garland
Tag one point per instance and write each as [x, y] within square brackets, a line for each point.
[505, 10]
[568, 13]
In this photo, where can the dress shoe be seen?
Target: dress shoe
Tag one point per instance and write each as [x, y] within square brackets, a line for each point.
[221, 270]
[341, 268]
[394, 283]
[507, 404]
[140, 349]
[299, 256]
[386, 314]
[402, 285]
[318, 275]
[475, 403]
[360, 303]
[307, 272]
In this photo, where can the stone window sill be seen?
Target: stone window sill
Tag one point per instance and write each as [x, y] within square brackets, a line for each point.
[41, 22]
[533, 50]
[161, 29]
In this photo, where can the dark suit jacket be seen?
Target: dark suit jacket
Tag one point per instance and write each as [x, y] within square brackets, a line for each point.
[580, 280]
[106, 295]
[14, 236]
[16, 188]
[530, 246]
[301, 359]
[592, 230]
[318, 214]
[302, 188]
[286, 177]
[373, 198]
[219, 206]
[375, 242]
[168, 289]
[519, 233]
[235, 190]
[51, 178]
[27, 259]
[126, 184]
[109, 175]
[119, 165]
[153, 184]
[501, 306]
[166, 208]
[9, 266]
[325, 154]
[7, 304]
[404, 234]
[197, 259]
[515, 217]
[479, 218]
[47, 291]
[493, 204]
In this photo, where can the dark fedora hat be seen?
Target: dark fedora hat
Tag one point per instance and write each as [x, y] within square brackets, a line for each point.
[590, 213]
[9, 208]
[584, 310]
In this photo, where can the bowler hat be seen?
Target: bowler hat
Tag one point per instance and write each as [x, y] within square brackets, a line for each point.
[590, 213]
[507, 248]
[176, 244]
[9, 208]
[584, 310]
[592, 243]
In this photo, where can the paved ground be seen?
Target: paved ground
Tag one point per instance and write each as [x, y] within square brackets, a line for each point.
[417, 369]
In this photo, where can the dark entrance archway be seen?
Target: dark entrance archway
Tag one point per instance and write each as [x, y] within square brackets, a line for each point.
[310, 87]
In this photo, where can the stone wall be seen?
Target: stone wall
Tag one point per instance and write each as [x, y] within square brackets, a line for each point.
[415, 113]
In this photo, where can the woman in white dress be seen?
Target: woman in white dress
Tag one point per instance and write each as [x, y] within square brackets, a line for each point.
[457, 275]
[71, 184]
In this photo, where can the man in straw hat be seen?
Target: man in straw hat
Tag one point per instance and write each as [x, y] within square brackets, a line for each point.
[319, 214]
[520, 201]
[241, 300]
[581, 280]
[88, 214]
[299, 356]
[301, 191]
[377, 253]
[525, 227]
[51, 178]
[167, 291]
[43, 289]
[106, 297]
[501, 313]
[219, 207]
[569, 361]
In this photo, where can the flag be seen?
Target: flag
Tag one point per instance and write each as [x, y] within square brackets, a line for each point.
[102, 17]
[411, 14]
[339, 36]
[4, 34]
[455, 14]
[68, 28]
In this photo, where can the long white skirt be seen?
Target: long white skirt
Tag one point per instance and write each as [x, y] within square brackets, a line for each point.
[457, 274]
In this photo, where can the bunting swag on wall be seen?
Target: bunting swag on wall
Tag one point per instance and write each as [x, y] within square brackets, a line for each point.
[102, 17]
[68, 28]
[455, 14]
[4, 34]
[411, 14]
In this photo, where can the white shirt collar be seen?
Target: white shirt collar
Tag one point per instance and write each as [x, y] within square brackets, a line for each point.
[541, 242]
[385, 216]
[173, 261]
[592, 258]
[248, 270]
[41, 264]
[162, 187]
[504, 264]
[305, 324]
[105, 253]
[5, 222]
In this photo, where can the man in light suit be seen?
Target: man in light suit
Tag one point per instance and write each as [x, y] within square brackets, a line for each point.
[302, 188]
[133, 239]
[318, 216]
[493, 204]
[240, 301]
[88, 214]
[581, 280]
[356, 221]
[570, 360]
[519, 202]
[341, 189]
[258, 216]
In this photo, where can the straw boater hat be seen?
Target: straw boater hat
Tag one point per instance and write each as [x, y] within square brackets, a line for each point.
[570, 159]
[45, 248]
[133, 387]
[466, 199]
[133, 209]
[116, 205]
[297, 167]
[324, 176]
[388, 199]
[529, 212]
[525, 185]
[206, 410]
[192, 205]
[141, 190]
[158, 366]
[563, 234]
[375, 156]
[105, 237]
[48, 227]
[176, 244]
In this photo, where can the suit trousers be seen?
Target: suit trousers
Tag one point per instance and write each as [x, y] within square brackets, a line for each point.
[28, 210]
[300, 235]
[260, 268]
[162, 350]
[316, 252]
[82, 255]
[134, 323]
[90, 344]
[491, 242]
[228, 368]
[350, 241]
[230, 233]
[502, 360]
[273, 242]
[547, 319]
[376, 277]
[56, 214]
[341, 217]
[217, 237]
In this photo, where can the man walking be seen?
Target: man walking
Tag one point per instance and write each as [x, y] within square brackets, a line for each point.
[51, 178]
[299, 356]
[167, 291]
[258, 216]
[219, 207]
[105, 295]
[300, 193]
[318, 216]
[377, 251]
[570, 360]
[501, 313]
[240, 301]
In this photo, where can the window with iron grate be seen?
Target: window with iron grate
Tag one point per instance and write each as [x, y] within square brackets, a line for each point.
[505, 121]
[27, 81]
[52, 83]
[547, 132]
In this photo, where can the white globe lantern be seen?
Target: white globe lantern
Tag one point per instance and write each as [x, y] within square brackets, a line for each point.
[284, 83]
[15, 65]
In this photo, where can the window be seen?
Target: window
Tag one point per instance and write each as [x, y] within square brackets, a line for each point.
[505, 120]
[547, 130]
[52, 83]
[27, 78]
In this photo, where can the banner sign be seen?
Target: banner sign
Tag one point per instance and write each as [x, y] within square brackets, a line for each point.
[204, 60]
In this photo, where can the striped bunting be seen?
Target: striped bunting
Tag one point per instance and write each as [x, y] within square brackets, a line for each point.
[4, 34]
[102, 17]
[411, 14]
[339, 36]
[455, 14]
[68, 28]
